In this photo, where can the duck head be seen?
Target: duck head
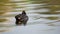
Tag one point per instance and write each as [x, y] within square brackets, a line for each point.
[23, 12]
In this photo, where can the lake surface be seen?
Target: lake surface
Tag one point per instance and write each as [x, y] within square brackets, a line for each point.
[42, 18]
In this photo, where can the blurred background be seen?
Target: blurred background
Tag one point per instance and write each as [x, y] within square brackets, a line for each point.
[44, 16]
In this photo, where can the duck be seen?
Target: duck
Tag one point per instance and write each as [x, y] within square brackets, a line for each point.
[21, 18]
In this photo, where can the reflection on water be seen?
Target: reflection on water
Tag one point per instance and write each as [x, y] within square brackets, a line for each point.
[1, 20]
[43, 18]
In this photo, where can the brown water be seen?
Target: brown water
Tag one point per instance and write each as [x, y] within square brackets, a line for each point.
[43, 18]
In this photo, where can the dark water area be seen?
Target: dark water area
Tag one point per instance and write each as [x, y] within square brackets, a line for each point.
[44, 18]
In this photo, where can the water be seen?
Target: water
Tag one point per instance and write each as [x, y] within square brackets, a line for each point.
[41, 21]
